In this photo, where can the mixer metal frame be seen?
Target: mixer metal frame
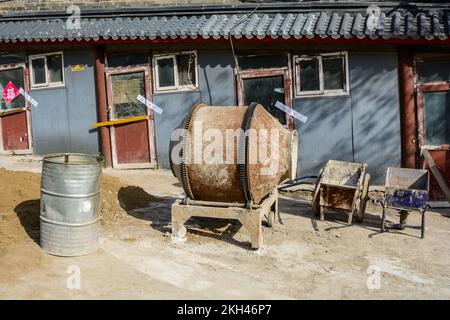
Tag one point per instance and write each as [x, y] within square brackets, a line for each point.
[250, 218]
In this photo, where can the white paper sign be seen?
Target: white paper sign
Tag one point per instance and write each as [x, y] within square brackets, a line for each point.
[33, 102]
[149, 104]
[291, 112]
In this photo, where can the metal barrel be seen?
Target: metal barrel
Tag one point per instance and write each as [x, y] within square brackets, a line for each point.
[70, 203]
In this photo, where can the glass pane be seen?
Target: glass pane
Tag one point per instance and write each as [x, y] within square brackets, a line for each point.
[123, 60]
[433, 71]
[54, 65]
[12, 57]
[125, 89]
[266, 61]
[333, 73]
[38, 70]
[16, 77]
[266, 91]
[186, 69]
[166, 72]
[309, 75]
[437, 118]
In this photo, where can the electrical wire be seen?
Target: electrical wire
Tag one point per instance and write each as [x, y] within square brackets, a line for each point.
[236, 63]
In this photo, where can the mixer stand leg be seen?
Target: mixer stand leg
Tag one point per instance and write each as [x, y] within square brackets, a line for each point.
[179, 218]
[252, 222]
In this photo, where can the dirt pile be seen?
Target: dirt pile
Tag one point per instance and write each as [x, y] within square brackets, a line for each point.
[118, 197]
[19, 203]
[16, 187]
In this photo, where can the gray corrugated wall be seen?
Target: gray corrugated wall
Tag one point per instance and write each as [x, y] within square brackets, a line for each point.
[216, 87]
[376, 112]
[63, 120]
[49, 121]
[362, 127]
[326, 135]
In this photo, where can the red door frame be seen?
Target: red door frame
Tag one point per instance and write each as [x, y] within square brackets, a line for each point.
[109, 71]
[25, 109]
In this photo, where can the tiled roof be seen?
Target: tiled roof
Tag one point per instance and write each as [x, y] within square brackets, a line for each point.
[325, 22]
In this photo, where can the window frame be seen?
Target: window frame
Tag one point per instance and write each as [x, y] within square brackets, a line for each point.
[47, 83]
[322, 92]
[22, 66]
[285, 71]
[177, 86]
[117, 71]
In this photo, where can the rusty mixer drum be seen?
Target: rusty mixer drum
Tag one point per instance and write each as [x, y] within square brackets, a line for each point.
[215, 161]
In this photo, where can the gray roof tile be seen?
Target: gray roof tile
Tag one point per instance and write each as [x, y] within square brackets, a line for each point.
[318, 24]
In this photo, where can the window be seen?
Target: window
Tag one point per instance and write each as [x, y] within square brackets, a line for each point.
[16, 77]
[127, 59]
[324, 74]
[125, 88]
[176, 71]
[435, 70]
[263, 62]
[47, 70]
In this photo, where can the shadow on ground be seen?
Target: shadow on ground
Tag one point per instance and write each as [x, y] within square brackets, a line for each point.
[139, 204]
[372, 221]
[28, 214]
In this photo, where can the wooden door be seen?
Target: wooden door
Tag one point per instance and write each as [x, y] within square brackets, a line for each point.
[433, 102]
[15, 128]
[133, 143]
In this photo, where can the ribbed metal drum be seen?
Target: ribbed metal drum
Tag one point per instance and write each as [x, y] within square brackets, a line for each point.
[70, 203]
[235, 173]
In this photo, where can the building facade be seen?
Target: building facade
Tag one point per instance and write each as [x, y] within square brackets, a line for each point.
[373, 81]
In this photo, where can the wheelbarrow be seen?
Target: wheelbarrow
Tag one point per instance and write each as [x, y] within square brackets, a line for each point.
[406, 190]
[342, 186]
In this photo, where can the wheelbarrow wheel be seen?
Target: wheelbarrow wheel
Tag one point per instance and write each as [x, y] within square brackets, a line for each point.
[315, 202]
[364, 197]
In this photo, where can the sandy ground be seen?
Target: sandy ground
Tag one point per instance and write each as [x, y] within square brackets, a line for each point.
[302, 258]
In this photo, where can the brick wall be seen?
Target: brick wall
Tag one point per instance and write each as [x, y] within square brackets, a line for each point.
[41, 5]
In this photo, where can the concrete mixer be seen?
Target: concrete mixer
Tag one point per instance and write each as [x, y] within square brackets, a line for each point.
[229, 161]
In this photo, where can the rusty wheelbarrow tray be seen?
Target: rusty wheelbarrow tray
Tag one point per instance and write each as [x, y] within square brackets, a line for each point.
[343, 186]
[406, 190]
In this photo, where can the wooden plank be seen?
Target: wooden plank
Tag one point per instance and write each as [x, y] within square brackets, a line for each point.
[342, 186]
[407, 107]
[250, 218]
[437, 174]
[11, 111]
[120, 121]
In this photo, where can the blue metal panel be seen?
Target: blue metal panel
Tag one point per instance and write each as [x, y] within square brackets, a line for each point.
[376, 111]
[62, 122]
[216, 75]
[326, 135]
[216, 87]
[81, 99]
[49, 121]
[406, 198]
[362, 127]
[176, 106]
